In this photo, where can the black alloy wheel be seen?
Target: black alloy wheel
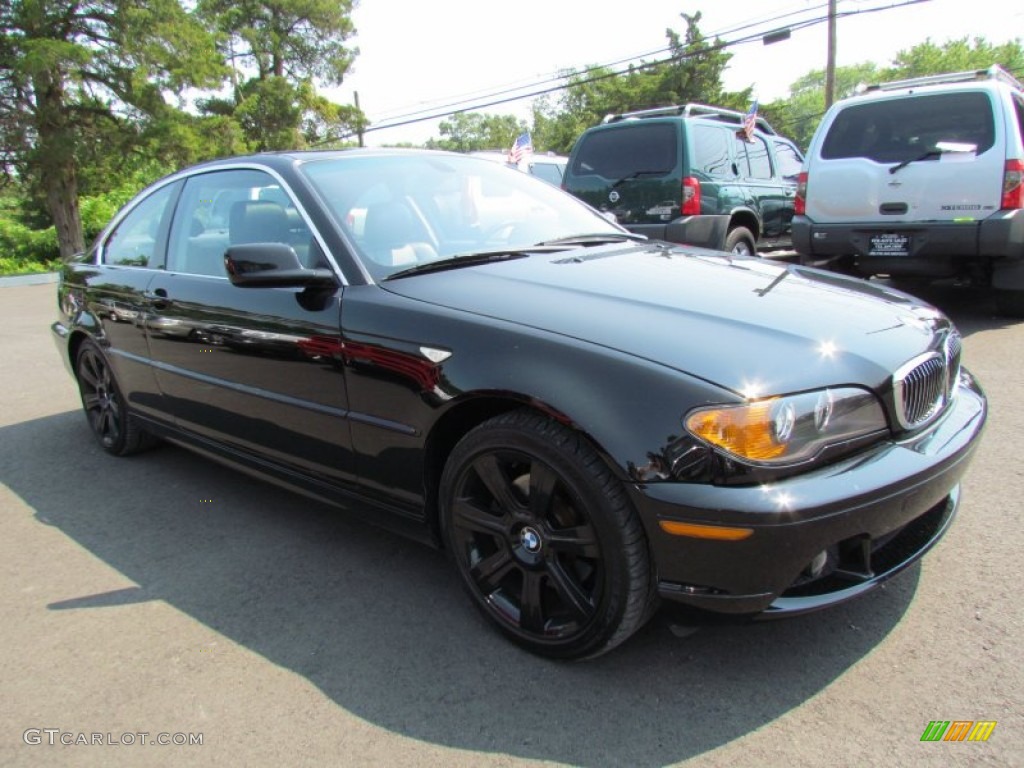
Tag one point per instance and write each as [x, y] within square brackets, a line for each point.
[544, 537]
[111, 423]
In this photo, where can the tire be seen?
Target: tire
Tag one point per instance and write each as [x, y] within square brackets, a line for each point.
[544, 537]
[1010, 303]
[104, 406]
[740, 242]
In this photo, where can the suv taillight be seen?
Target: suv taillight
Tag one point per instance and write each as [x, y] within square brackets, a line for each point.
[800, 204]
[691, 197]
[1013, 185]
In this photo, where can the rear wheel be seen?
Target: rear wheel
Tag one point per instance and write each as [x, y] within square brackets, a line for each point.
[105, 409]
[544, 537]
[740, 241]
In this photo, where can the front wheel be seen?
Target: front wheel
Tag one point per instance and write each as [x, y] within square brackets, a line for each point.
[740, 241]
[544, 537]
[104, 406]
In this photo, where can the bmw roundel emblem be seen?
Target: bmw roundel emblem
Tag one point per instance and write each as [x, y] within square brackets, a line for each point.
[613, 196]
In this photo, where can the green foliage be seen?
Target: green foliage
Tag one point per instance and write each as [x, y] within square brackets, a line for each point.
[473, 131]
[288, 44]
[269, 114]
[960, 55]
[798, 115]
[692, 73]
[296, 39]
[27, 248]
[78, 79]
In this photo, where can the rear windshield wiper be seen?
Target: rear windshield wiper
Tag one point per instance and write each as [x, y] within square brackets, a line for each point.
[467, 260]
[638, 174]
[940, 149]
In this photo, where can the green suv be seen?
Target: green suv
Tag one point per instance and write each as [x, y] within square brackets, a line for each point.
[690, 174]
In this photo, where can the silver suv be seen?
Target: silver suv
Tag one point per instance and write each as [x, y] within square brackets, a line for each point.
[920, 178]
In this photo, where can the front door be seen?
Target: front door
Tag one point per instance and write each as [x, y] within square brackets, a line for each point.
[256, 369]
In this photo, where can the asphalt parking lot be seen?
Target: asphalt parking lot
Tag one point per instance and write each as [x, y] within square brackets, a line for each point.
[165, 596]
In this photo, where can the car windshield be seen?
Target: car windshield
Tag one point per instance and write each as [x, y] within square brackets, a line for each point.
[403, 210]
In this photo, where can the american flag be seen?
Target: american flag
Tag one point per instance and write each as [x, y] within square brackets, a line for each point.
[521, 150]
[750, 120]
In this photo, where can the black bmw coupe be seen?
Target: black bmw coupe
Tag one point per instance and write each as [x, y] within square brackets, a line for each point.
[587, 421]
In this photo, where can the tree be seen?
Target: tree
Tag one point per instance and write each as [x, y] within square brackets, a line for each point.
[960, 55]
[692, 73]
[73, 72]
[472, 131]
[798, 115]
[278, 50]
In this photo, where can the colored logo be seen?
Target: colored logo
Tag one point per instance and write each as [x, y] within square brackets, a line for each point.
[958, 730]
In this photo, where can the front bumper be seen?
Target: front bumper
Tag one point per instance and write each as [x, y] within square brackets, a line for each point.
[819, 538]
[60, 333]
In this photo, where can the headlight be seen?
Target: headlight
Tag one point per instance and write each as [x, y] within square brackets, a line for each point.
[788, 429]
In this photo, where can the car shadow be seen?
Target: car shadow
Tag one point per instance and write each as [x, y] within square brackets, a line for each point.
[380, 625]
[973, 309]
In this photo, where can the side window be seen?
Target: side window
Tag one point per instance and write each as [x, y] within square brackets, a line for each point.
[757, 157]
[1018, 105]
[711, 152]
[137, 240]
[789, 159]
[225, 208]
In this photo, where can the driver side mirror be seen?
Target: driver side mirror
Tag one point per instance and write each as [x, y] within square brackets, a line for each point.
[272, 265]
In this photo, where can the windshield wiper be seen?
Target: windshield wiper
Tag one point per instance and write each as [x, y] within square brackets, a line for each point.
[467, 260]
[638, 174]
[596, 238]
[940, 149]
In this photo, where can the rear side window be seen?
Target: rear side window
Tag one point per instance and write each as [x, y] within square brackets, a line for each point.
[550, 172]
[894, 130]
[790, 161]
[637, 149]
[711, 151]
[1018, 107]
[760, 166]
[137, 240]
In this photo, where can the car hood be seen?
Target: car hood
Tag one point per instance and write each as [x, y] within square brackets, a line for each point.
[751, 325]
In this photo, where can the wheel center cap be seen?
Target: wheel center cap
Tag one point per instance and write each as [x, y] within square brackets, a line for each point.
[530, 539]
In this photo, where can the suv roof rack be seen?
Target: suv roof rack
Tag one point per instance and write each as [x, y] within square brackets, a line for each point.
[692, 110]
[995, 72]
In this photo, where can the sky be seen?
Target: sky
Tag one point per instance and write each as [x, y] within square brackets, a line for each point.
[418, 55]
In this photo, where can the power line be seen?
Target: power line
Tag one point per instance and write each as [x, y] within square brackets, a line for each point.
[412, 119]
[563, 74]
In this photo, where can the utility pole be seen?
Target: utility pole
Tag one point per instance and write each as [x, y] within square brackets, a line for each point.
[360, 131]
[830, 64]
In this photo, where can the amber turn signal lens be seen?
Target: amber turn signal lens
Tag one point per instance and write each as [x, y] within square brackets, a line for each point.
[746, 432]
[697, 531]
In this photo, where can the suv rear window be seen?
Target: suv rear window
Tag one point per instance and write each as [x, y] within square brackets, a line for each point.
[894, 130]
[649, 150]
